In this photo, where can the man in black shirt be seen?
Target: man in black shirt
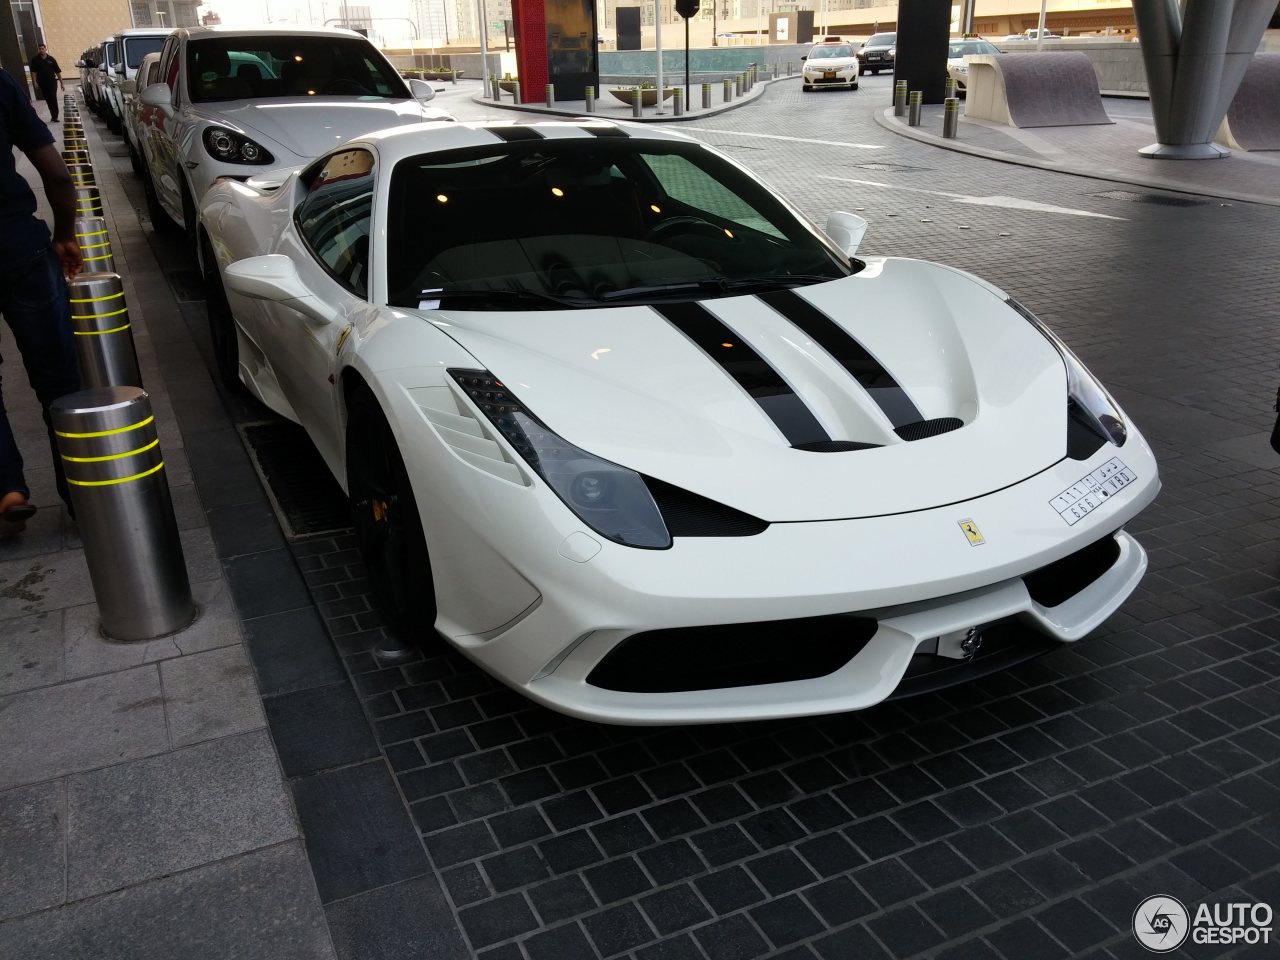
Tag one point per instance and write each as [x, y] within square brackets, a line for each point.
[48, 77]
[33, 293]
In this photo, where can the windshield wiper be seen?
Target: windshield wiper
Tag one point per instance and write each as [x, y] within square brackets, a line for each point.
[714, 285]
[436, 299]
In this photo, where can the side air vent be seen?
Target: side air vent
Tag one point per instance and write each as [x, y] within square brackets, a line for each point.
[464, 434]
[1083, 440]
[689, 515]
[924, 429]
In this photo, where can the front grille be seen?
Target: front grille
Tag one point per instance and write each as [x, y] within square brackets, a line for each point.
[1004, 644]
[689, 515]
[924, 429]
[732, 655]
[1063, 579]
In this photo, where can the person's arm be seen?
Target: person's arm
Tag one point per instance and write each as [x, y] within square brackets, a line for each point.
[62, 198]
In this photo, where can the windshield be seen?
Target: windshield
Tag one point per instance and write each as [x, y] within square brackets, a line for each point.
[574, 223]
[252, 68]
[968, 48]
[882, 40]
[135, 48]
[832, 52]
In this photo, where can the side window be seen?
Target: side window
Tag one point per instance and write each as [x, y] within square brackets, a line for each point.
[169, 66]
[694, 187]
[334, 217]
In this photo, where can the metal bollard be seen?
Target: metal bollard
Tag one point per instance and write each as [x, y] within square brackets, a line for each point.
[917, 102]
[728, 91]
[706, 96]
[104, 336]
[495, 91]
[91, 234]
[637, 102]
[551, 94]
[72, 128]
[900, 98]
[737, 85]
[111, 454]
[790, 65]
[677, 100]
[88, 202]
[75, 143]
[515, 94]
[949, 88]
[75, 156]
[81, 175]
[590, 96]
[950, 117]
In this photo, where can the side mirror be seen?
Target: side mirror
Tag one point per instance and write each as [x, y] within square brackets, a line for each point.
[421, 90]
[120, 69]
[157, 95]
[804, 58]
[275, 278]
[846, 230]
[80, 63]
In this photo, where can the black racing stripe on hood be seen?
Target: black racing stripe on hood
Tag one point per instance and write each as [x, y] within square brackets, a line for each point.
[879, 383]
[515, 133]
[752, 372]
[602, 130]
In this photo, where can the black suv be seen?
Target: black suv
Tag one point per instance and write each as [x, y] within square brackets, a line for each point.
[877, 53]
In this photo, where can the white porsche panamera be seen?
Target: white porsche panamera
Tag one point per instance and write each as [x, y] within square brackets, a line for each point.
[650, 446]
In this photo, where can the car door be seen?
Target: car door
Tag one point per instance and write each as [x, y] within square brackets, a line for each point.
[162, 133]
[329, 241]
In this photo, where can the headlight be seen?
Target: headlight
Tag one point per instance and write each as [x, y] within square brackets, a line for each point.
[230, 147]
[610, 499]
[1090, 397]
[893, 51]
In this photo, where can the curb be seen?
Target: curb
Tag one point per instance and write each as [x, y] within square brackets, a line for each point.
[886, 119]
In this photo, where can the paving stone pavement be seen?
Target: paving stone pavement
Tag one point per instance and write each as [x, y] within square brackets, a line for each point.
[1022, 816]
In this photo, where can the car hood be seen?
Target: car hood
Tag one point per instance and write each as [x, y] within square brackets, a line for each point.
[830, 63]
[309, 127]
[627, 385]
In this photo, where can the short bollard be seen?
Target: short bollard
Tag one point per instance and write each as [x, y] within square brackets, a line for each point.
[790, 65]
[75, 156]
[900, 98]
[737, 85]
[111, 453]
[515, 94]
[949, 88]
[95, 245]
[706, 96]
[551, 94]
[916, 105]
[103, 334]
[72, 128]
[728, 90]
[81, 175]
[637, 102]
[950, 117]
[677, 101]
[495, 91]
[75, 143]
[589, 95]
[88, 202]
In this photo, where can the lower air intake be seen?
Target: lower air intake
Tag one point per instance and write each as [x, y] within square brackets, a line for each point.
[732, 655]
[1063, 579]
[689, 515]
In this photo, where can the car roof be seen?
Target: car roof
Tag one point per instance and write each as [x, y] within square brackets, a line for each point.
[397, 143]
[145, 32]
[293, 30]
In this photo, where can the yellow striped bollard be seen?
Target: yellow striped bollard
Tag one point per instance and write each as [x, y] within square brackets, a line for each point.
[95, 245]
[88, 202]
[115, 470]
[81, 175]
[103, 333]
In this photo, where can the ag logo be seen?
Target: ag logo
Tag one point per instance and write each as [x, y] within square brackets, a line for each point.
[1161, 923]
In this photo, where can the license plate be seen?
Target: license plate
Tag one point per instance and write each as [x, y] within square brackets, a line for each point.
[1087, 494]
[828, 74]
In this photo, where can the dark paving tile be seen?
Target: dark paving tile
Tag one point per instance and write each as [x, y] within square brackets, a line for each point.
[410, 920]
[265, 583]
[244, 529]
[291, 651]
[318, 729]
[358, 834]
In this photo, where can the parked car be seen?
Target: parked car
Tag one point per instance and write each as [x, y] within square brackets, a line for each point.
[88, 66]
[830, 64]
[148, 72]
[1032, 33]
[957, 51]
[96, 95]
[635, 436]
[130, 47]
[878, 52]
[262, 102]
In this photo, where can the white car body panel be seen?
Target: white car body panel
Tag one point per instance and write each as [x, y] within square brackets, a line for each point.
[293, 129]
[529, 591]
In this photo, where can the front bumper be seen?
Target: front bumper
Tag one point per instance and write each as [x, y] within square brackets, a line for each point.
[839, 78]
[916, 574]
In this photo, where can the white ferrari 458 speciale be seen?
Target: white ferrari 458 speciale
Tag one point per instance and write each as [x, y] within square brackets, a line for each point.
[651, 447]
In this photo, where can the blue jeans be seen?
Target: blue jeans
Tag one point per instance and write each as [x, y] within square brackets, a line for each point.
[33, 299]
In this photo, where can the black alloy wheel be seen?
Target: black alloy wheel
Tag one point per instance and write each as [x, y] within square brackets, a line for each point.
[388, 527]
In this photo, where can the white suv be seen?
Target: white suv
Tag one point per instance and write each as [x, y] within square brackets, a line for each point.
[261, 103]
[130, 47]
